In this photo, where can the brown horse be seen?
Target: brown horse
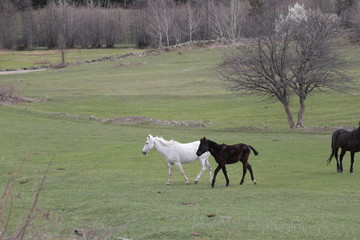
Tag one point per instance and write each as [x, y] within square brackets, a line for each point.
[347, 141]
[227, 154]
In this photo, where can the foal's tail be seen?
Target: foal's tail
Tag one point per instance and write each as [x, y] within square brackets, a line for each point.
[255, 152]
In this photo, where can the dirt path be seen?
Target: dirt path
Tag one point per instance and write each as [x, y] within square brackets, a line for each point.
[19, 71]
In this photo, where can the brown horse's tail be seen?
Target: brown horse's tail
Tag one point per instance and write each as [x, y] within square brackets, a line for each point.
[255, 152]
[334, 139]
[330, 158]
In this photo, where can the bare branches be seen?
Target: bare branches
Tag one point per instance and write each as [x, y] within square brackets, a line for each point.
[192, 17]
[233, 20]
[7, 202]
[160, 17]
[31, 214]
[7, 196]
[318, 65]
[297, 58]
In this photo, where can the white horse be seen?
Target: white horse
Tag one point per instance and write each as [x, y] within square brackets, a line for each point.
[177, 153]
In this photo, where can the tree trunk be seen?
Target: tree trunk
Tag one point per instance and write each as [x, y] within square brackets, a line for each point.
[301, 113]
[289, 115]
[62, 56]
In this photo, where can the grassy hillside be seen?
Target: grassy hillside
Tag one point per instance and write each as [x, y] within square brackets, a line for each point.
[101, 183]
[174, 86]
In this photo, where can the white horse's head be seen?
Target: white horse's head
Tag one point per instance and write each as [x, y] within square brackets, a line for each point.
[149, 144]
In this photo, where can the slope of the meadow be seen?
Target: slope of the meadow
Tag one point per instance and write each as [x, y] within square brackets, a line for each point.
[99, 183]
[174, 86]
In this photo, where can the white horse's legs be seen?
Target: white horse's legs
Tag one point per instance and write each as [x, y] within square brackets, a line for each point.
[170, 167]
[204, 164]
[203, 168]
[178, 164]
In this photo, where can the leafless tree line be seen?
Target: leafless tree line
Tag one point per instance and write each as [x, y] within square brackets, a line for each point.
[158, 22]
[153, 22]
[168, 23]
[62, 25]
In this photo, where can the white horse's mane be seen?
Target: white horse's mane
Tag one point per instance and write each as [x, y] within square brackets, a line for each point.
[165, 142]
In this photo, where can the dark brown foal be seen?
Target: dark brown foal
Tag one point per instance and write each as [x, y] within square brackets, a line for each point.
[227, 154]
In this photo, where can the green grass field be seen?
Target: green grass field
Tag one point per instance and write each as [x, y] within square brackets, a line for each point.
[100, 182]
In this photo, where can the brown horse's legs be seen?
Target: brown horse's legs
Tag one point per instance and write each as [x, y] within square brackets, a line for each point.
[335, 152]
[341, 159]
[244, 172]
[225, 174]
[251, 173]
[215, 173]
[352, 162]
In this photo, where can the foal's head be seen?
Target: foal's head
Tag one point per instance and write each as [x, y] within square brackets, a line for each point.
[203, 147]
[149, 144]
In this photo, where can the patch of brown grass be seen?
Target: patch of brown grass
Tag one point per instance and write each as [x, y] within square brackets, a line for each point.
[8, 97]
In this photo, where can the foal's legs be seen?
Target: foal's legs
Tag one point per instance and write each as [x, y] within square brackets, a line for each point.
[251, 173]
[352, 161]
[225, 174]
[178, 164]
[210, 169]
[245, 166]
[215, 173]
[341, 159]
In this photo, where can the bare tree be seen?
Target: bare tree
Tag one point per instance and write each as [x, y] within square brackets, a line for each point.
[260, 70]
[95, 27]
[154, 21]
[192, 19]
[8, 21]
[160, 18]
[138, 27]
[226, 18]
[316, 64]
[50, 28]
[83, 27]
[295, 58]
[345, 10]
[111, 26]
[356, 22]
[216, 12]
[22, 4]
[260, 11]
[325, 6]
[167, 16]
[178, 29]
[233, 20]
[89, 25]
[204, 25]
[66, 22]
